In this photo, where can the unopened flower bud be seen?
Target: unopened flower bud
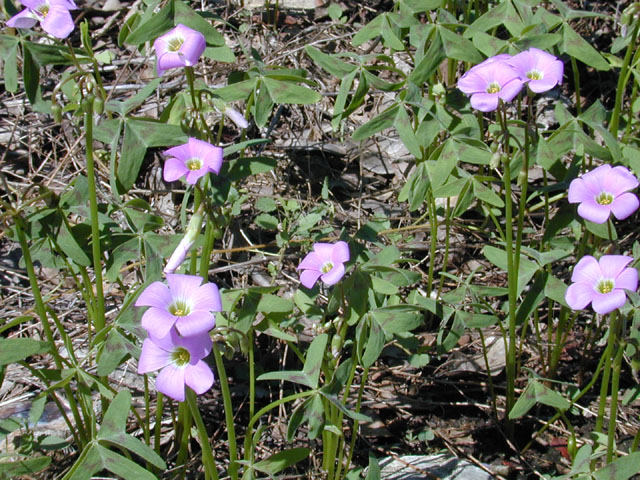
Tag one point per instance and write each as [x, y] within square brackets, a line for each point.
[236, 117]
[181, 251]
[56, 111]
[98, 105]
[439, 90]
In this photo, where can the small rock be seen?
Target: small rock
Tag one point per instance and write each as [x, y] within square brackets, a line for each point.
[423, 467]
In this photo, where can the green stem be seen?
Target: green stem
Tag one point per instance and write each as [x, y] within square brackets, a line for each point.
[228, 412]
[157, 431]
[613, 409]
[604, 386]
[622, 78]
[182, 435]
[576, 81]
[512, 274]
[98, 320]
[210, 471]
[192, 88]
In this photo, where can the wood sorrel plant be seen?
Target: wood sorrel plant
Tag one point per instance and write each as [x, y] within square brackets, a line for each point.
[359, 293]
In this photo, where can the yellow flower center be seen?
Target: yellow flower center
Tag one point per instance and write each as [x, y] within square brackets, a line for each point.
[194, 164]
[180, 357]
[493, 87]
[605, 286]
[174, 43]
[327, 267]
[604, 198]
[43, 9]
[180, 308]
[535, 75]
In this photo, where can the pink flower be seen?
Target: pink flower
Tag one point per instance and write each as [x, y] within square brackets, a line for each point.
[53, 15]
[192, 160]
[185, 303]
[540, 70]
[325, 262]
[491, 81]
[603, 191]
[602, 283]
[179, 47]
[179, 360]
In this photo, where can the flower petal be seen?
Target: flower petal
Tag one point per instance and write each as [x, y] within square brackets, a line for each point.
[155, 295]
[334, 275]
[174, 169]
[168, 60]
[58, 21]
[170, 381]
[340, 252]
[311, 261]
[152, 357]
[608, 302]
[308, 278]
[623, 206]
[510, 90]
[593, 211]
[579, 295]
[628, 279]
[198, 346]
[619, 180]
[198, 377]
[158, 322]
[207, 298]
[24, 19]
[587, 270]
[581, 190]
[612, 265]
[485, 102]
[183, 287]
[193, 46]
[199, 322]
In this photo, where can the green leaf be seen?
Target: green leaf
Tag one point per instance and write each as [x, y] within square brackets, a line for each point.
[458, 47]
[368, 32]
[9, 56]
[397, 319]
[192, 19]
[281, 460]
[375, 344]
[314, 414]
[236, 91]
[243, 167]
[330, 63]
[576, 46]
[428, 65]
[537, 392]
[31, 76]
[24, 466]
[15, 349]
[140, 134]
[272, 303]
[71, 247]
[373, 470]
[502, 14]
[267, 221]
[407, 135]
[124, 107]
[382, 286]
[498, 257]
[620, 469]
[290, 93]
[115, 348]
[313, 360]
[294, 376]
[157, 24]
[378, 123]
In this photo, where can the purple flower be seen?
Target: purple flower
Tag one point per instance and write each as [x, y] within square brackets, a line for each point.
[325, 262]
[540, 70]
[601, 283]
[53, 15]
[603, 191]
[490, 81]
[185, 303]
[179, 47]
[179, 360]
[192, 160]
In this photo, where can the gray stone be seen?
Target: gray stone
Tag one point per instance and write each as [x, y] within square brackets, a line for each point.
[423, 467]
